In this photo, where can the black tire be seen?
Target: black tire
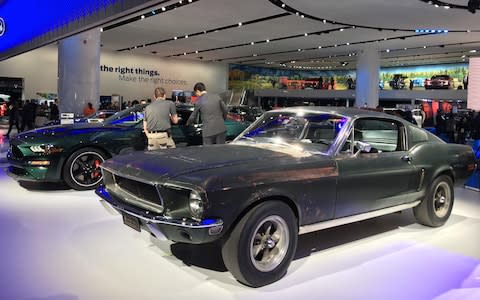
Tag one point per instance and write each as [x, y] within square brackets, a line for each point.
[436, 207]
[271, 230]
[81, 170]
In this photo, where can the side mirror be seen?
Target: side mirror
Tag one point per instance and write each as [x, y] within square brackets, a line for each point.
[362, 147]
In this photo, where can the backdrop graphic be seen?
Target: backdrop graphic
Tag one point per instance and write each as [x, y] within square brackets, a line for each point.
[243, 76]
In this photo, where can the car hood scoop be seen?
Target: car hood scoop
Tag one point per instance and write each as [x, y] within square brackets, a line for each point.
[156, 165]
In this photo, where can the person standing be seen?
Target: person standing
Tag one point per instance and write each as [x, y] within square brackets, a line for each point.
[156, 123]
[88, 110]
[28, 113]
[350, 82]
[13, 116]
[54, 113]
[213, 112]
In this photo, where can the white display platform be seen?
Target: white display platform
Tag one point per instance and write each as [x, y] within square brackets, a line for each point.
[63, 245]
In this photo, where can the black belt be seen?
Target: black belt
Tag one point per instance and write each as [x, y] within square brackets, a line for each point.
[157, 131]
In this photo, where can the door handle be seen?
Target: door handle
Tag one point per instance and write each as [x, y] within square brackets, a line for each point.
[406, 158]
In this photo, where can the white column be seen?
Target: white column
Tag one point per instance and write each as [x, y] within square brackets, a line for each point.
[473, 94]
[79, 71]
[368, 68]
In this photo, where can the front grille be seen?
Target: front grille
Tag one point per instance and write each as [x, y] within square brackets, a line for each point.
[15, 151]
[139, 189]
[132, 191]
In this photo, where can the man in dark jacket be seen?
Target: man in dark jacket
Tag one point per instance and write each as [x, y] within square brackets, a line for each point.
[213, 112]
[13, 117]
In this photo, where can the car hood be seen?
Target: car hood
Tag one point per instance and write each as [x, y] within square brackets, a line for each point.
[157, 166]
[61, 130]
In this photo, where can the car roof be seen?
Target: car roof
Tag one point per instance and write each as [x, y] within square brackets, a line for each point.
[344, 111]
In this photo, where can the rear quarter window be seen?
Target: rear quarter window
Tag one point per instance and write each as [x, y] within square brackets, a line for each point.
[416, 136]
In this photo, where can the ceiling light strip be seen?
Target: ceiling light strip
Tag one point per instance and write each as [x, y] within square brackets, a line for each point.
[212, 30]
[291, 10]
[152, 13]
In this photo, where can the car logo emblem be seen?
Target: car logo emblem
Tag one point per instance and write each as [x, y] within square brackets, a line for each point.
[2, 26]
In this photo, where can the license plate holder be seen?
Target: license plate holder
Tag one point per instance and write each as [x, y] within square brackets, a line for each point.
[131, 221]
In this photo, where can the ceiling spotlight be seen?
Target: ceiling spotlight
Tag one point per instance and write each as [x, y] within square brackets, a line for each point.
[319, 47]
[283, 5]
[305, 34]
[164, 9]
[196, 51]
[473, 51]
[101, 29]
[388, 50]
[341, 29]
[324, 21]
[267, 41]
[348, 44]
[239, 24]
[252, 43]
[175, 38]
[424, 47]
[184, 53]
[143, 17]
[186, 36]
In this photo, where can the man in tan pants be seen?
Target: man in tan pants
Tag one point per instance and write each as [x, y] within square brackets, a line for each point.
[156, 123]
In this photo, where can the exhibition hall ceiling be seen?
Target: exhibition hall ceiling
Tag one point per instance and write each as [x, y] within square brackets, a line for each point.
[301, 33]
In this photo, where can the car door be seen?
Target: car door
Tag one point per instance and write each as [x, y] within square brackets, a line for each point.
[383, 177]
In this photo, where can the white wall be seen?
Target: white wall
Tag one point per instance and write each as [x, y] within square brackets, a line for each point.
[39, 70]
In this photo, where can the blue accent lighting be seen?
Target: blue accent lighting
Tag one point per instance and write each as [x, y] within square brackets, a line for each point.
[29, 19]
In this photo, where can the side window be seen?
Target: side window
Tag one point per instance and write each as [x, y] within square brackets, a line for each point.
[382, 134]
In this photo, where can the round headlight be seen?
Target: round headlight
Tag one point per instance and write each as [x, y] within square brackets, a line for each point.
[196, 205]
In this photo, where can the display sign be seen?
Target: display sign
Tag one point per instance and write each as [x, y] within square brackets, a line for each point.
[473, 95]
[67, 118]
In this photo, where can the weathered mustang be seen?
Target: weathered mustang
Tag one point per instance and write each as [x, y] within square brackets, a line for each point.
[291, 172]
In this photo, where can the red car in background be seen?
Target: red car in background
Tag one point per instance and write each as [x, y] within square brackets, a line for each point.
[439, 82]
[3, 108]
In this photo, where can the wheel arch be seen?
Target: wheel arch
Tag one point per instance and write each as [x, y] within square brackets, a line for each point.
[448, 171]
[257, 201]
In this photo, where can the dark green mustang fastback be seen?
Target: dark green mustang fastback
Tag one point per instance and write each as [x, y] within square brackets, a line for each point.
[293, 171]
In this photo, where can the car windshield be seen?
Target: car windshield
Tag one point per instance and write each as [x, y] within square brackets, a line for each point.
[319, 130]
[127, 117]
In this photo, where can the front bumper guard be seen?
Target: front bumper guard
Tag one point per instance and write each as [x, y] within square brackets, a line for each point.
[179, 230]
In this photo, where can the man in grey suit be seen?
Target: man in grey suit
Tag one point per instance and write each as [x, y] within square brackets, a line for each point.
[213, 112]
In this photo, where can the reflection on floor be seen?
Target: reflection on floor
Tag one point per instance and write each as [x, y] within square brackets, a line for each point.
[59, 244]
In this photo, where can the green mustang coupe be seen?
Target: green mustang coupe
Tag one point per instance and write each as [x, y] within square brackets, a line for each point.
[73, 153]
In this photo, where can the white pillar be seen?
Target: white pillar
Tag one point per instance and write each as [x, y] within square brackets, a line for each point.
[368, 68]
[473, 94]
[79, 71]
